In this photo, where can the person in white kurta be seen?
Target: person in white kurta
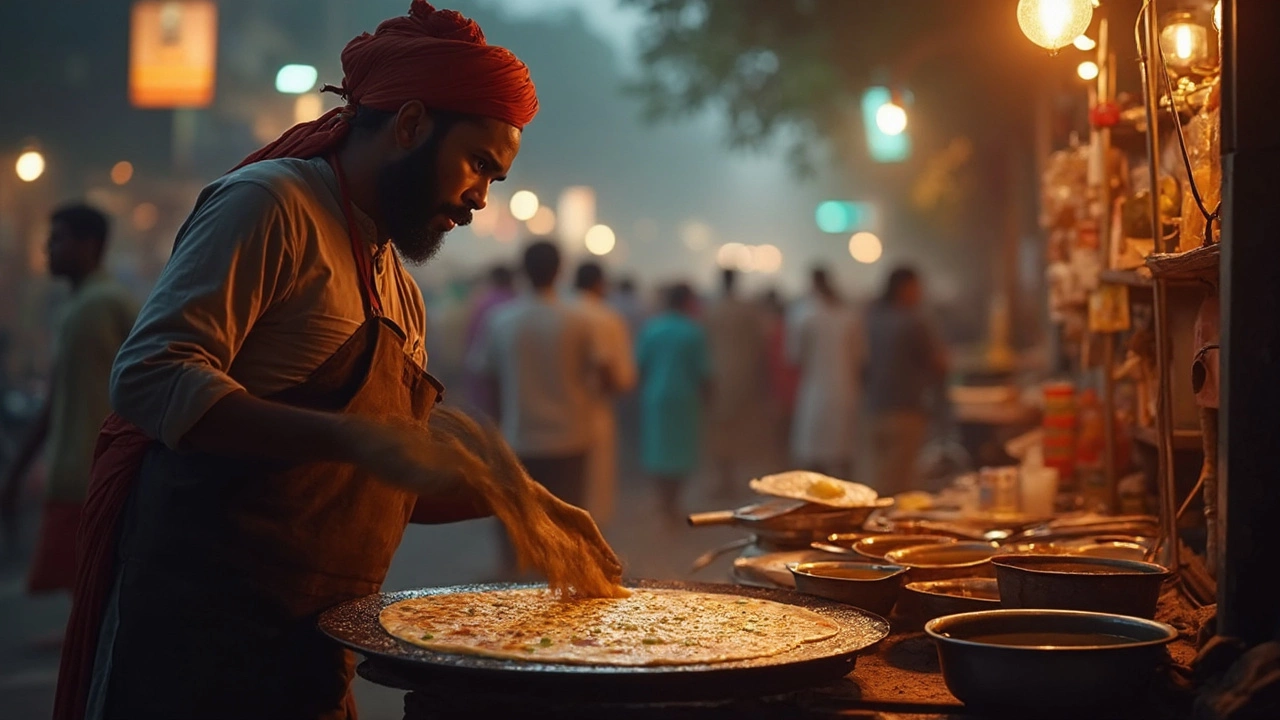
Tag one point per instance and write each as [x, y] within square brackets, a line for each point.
[614, 356]
[825, 341]
[736, 335]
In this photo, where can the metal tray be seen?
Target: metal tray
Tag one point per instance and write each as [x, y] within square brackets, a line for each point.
[355, 625]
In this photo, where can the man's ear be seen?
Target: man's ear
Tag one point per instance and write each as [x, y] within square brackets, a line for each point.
[412, 124]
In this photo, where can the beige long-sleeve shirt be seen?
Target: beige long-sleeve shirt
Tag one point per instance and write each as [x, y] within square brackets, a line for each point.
[94, 324]
[260, 290]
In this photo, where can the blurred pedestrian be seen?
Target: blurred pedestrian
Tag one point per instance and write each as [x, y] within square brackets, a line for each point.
[735, 336]
[675, 381]
[906, 374]
[614, 355]
[627, 301]
[93, 325]
[826, 343]
[541, 354]
[784, 375]
[501, 290]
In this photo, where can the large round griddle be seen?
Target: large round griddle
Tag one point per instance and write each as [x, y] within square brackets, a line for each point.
[399, 664]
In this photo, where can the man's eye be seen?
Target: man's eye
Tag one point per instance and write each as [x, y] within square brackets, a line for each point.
[481, 165]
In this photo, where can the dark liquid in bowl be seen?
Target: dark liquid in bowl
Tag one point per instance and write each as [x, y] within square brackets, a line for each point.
[1083, 569]
[846, 573]
[1056, 639]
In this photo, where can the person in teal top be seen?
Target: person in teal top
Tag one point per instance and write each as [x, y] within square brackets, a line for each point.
[675, 376]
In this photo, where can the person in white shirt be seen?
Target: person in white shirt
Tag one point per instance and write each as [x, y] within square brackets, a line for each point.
[614, 355]
[826, 342]
[540, 352]
[735, 334]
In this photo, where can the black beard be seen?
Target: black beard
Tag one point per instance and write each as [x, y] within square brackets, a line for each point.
[407, 195]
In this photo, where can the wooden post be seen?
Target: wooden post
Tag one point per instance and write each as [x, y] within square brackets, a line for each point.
[1249, 500]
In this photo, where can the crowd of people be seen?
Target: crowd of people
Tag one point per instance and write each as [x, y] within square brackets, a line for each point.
[850, 388]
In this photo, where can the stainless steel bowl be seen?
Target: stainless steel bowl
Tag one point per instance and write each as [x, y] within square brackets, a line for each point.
[1041, 663]
[872, 587]
[924, 601]
[1072, 582]
[877, 546]
[946, 561]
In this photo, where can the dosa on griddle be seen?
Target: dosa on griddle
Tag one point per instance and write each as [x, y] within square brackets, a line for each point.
[651, 627]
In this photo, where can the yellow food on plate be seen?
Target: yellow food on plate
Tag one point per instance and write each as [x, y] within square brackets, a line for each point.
[816, 488]
[651, 627]
[826, 489]
[913, 501]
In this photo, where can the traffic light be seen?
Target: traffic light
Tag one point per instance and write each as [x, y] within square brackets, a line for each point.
[885, 120]
[840, 217]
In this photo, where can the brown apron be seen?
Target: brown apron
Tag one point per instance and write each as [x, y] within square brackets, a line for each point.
[225, 564]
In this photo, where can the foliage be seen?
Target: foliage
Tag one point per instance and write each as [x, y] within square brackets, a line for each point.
[794, 69]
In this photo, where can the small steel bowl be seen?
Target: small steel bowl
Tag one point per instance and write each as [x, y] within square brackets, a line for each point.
[924, 601]
[1073, 582]
[877, 546]
[1045, 663]
[872, 587]
[946, 561]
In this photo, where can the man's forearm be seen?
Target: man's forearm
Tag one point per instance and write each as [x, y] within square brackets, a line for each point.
[241, 425]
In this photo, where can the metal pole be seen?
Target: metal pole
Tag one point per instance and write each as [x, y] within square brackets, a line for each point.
[1151, 65]
[1168, 492]
[1102, 214]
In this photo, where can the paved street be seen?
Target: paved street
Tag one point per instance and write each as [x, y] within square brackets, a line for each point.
[442, 555]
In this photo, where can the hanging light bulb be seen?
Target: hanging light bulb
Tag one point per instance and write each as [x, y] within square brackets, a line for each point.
[1087, 70]
[1184, 41]
[1054, 24]
[1085, 43]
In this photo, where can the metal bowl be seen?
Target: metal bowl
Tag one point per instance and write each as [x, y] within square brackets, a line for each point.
[1037, 663]
[1073, 582]
[872, 587]
[925, 601]
[946, 561]
[877, 546]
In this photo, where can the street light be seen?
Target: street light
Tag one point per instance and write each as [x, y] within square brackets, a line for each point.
[600, 240]
[543, 221]
[30, 166]
[121, 172]
[524, 205]
[296, 79]
[891, 118]
[865, 247]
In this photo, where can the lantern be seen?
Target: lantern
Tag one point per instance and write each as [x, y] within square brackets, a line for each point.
[1054, 24]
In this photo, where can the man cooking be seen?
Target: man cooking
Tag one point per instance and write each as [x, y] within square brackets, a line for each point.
[270, 443]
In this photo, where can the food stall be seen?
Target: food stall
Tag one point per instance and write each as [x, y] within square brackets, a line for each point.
[1062, 587]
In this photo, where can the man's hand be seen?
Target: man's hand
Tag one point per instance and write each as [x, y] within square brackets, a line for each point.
[558, 539]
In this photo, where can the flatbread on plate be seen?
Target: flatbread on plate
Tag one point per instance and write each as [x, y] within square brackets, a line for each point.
[815, 488]
[651, 627]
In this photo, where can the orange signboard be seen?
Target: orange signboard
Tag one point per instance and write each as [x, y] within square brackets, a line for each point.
[173, 52]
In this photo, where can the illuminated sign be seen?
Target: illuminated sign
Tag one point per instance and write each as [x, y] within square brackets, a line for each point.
[173, 51]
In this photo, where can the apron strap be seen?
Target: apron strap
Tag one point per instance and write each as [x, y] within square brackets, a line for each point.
[364, 264]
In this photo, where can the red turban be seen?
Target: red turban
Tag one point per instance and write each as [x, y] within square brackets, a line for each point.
[434, 56]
